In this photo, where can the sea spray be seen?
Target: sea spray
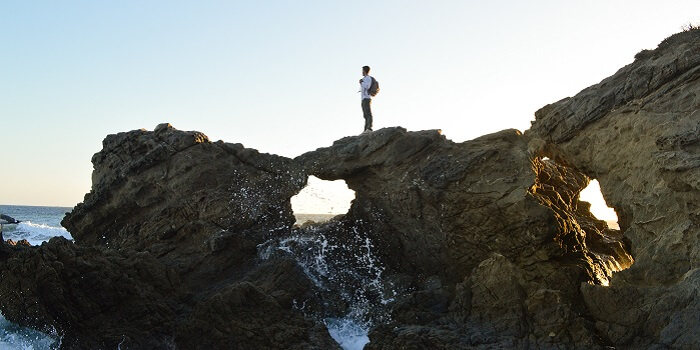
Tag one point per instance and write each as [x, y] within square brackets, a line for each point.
[13, 336]
[349, 334]
[35, 233]
[38, 225]
[338, 258]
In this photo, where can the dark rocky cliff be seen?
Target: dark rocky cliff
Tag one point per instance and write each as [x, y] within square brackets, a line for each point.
[190, 244]
[638, 133]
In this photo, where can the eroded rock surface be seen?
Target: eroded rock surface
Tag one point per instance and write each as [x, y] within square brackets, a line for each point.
[187, 243]
[165, 252]
[476, 256]
[638, 133]
[93, 297]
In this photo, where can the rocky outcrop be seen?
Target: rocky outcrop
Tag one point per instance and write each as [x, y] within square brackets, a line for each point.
[185, 200]
[169, 242]
[5, 219]
[168, 233]
[638, 133]
[188, 243]
[477, 258]
[91, 296]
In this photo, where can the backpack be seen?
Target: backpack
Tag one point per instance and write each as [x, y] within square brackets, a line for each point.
[374, 87]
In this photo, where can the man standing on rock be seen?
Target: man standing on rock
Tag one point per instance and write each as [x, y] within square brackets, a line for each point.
[365, 84]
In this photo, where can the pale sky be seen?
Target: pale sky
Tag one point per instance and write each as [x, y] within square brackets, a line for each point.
[282, 76]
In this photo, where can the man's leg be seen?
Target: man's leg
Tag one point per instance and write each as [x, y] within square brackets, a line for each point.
[367, 113]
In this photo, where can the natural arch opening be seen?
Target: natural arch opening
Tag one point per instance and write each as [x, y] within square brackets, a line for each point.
[321, 200]
[599, 208]
[602, 249]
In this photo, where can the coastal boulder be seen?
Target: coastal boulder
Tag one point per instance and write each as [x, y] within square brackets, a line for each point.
[90, 297]
[5, 219]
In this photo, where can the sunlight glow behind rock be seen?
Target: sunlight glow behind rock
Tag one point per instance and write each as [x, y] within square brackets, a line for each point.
[599, 207]
[323, 197]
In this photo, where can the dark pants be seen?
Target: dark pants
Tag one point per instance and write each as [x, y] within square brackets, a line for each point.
[367, 113]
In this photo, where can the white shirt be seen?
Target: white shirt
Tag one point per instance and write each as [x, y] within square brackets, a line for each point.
[364, 87]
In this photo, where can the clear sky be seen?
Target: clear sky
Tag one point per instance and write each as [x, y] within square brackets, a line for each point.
[282, 76]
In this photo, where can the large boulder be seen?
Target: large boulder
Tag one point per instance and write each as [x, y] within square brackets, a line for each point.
[6, 219]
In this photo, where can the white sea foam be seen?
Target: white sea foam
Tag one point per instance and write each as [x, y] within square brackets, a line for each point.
[15, 337]
[350, 334]
[35, 234]
[343, 269]
[39, 224]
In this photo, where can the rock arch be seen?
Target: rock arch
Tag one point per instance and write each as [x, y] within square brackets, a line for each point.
[638, 132]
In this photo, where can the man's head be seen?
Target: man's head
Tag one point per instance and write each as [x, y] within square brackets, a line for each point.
[365, 70]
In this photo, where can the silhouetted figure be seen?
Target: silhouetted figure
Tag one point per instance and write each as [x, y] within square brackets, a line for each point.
[365, 85]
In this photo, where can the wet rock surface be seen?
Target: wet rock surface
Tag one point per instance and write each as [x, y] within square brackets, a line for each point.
[187, 243]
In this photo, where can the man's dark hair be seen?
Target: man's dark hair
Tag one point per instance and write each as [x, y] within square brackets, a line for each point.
[365, 69]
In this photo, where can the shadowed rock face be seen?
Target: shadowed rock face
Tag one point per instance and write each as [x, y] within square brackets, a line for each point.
[184, 199]
[187, 243]
[167, 235]
[94, 297]
[479, 237]
[638, 133]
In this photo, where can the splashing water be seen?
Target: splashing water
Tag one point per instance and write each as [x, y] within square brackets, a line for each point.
[16, 337]
[348, 333]
[38, 225]
[34, 233]
[348, 274]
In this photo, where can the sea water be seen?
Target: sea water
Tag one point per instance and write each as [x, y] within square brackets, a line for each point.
[38, 225]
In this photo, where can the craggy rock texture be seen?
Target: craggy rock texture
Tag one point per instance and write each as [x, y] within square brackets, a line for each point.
[638, 133]
[190, 244]
[93, 297]
[479, 237]
[168, 233]
[185, 200]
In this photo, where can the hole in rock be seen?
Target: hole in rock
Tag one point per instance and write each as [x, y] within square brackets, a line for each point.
[321, 200]
[599, 208]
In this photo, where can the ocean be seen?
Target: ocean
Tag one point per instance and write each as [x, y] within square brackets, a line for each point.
[38, 225]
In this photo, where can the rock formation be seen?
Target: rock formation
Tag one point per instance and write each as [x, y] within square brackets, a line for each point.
[187, 243]
[476, 257]
[168, 233]
[638, 133]
[4, 219]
